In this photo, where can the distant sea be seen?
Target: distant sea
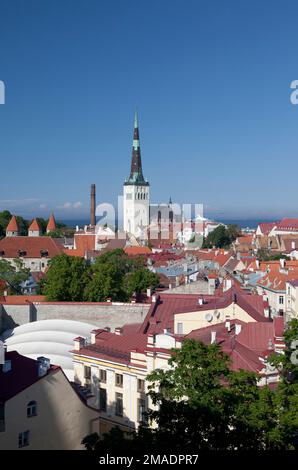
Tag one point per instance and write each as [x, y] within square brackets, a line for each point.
[243, 223]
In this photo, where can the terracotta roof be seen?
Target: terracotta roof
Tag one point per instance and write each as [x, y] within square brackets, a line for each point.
[276, 280]
[23, 374]
[34, 227]
[51, 223]
[31, 245]
[84, 242]
[266, 227]
[287, 225]
[137, 250]
[21, 299]
[13, 225]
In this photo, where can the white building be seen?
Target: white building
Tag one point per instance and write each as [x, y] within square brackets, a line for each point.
[136, 192]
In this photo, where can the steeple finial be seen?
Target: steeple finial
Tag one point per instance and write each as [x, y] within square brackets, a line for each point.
[136, 125]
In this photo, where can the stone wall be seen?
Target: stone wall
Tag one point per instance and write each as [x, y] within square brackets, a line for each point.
[98, 314]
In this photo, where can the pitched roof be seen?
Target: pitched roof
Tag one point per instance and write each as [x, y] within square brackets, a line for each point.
[31, 245]
[13, 225]
[23, 374]
[276, 280]
[287, 224]
[266, 227]
[51, 223]
[84, 242]
[137, 250]
[34, 227]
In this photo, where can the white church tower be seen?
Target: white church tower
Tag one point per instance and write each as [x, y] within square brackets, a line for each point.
[136, 191]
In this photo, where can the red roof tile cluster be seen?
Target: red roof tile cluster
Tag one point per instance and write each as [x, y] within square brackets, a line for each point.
[276, 280]
[33, 246]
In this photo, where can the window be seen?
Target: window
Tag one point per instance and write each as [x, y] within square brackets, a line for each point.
[102, 399]
[103, 375]
[87, 372]
[141, 409]
[119, 380]
[180, 328]
[281, 299]
[119, 404]
[141, 385]
[31, 409]
[23, 439]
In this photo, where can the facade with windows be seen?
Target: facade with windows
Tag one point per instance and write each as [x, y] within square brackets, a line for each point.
[39, 408]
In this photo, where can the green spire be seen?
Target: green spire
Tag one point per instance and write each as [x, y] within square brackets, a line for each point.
[136, 119]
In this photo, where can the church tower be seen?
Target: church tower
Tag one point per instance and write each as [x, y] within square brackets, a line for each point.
[136, 191]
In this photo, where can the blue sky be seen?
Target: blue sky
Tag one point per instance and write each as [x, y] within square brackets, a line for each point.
[211, 80]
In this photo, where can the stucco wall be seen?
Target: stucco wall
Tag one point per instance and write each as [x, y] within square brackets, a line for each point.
[194, 320]
[62, 418]
[99, 315]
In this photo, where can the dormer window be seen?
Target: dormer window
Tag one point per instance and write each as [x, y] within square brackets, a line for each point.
[44, 253]
[2, 252]
[22, 252]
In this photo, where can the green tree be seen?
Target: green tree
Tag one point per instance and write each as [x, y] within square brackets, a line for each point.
[219, 237]
[105, 281]
[65, 279]
[5, 217]
[139, 280]
[14, 274]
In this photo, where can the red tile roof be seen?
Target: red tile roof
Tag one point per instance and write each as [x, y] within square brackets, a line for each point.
[287, 225]
[34, 227]
[137, 250]
[13, 225]
[32, 245]
[84, 242]
[266, 227]
[21, 299]
[51, 223]
[23, 374]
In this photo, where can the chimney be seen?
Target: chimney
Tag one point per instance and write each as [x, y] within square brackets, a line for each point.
[153, 299]
[213, 337]
[79, 343]
[228, 325]
[43, 364]
[237, 329]
[118, 331]
[258, 264]
[148, 292]
[150, 341]
[92, 205]
[93, 336]
[282, 263]
[293, 245]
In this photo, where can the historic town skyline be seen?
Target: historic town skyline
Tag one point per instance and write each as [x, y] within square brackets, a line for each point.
[219, 109]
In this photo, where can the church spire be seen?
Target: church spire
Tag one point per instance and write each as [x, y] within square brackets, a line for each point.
[136, 172]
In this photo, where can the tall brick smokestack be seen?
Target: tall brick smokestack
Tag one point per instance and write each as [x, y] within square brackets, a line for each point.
[92, 205]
